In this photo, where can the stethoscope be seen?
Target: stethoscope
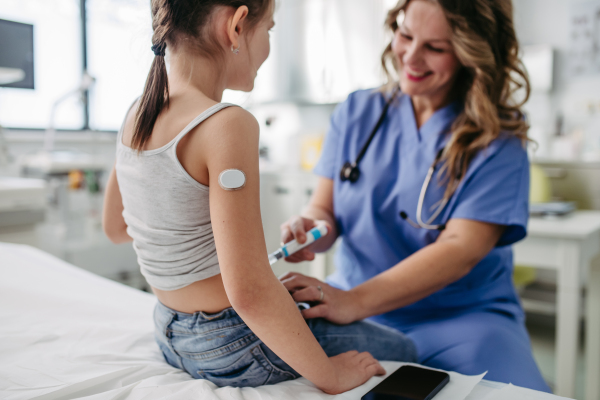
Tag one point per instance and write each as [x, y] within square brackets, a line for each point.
[350, 172]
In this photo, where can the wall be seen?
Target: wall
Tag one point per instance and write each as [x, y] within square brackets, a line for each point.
[577, 98]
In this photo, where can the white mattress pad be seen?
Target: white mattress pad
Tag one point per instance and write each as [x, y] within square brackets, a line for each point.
[66, 333]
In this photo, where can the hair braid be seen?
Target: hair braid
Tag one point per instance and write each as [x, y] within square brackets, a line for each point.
[156, 91]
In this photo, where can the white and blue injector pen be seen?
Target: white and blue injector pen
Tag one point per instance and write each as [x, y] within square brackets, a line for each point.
[291, 247]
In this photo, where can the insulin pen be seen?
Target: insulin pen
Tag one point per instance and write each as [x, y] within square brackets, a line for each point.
[293, 246]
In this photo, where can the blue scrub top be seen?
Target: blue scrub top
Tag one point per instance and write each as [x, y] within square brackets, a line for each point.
[495, 189]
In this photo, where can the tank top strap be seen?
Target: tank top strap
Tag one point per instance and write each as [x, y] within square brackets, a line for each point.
[199, 119]
[120, 133]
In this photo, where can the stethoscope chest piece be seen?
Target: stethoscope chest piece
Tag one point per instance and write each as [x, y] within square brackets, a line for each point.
[349, 172]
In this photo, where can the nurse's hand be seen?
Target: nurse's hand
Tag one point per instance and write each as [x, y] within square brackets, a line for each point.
[296, 228]
[335, 305]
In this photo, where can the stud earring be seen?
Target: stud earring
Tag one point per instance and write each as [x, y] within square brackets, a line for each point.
[235, 51]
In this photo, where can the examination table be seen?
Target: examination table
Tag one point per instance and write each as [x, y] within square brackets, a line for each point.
[66, 333]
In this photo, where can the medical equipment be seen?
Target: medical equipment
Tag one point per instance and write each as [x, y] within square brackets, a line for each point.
[22, 207]
[232, 179]
[22, 201]
[293, 246]
[16, 55]
[86, 83]
[427, 224]
[16, 65]
[50, 161]
[350, 171]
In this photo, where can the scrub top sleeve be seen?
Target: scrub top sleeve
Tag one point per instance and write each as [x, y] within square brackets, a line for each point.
[327, 166]
[498, 191]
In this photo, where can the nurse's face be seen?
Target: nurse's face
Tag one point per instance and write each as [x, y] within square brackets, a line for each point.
[423, 49]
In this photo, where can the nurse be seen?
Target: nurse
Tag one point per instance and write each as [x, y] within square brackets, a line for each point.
[428, 213]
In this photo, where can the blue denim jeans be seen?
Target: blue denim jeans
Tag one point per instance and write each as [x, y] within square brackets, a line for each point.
[221, 348]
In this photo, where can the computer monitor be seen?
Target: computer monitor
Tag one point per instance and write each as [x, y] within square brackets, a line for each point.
[16, 53]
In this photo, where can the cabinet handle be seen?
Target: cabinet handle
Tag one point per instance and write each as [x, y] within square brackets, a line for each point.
[309, 192]
[281, 190]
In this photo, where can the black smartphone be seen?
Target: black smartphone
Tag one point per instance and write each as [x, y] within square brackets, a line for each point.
[409, 383]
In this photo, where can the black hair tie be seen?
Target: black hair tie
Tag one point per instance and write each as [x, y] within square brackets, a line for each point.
[158, 49]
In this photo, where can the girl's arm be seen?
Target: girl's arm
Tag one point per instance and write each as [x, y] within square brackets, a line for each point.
[113, 223]
[231, 141]
[457, 250]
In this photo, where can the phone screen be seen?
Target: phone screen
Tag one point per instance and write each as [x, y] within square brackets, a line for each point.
[409, 383]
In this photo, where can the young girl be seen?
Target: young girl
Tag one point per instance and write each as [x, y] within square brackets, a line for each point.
[222, 314]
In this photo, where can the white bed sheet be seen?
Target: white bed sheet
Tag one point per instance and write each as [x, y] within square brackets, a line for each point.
[66, 333]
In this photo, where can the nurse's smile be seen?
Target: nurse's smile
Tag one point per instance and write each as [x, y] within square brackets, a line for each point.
[422, 46]
[416, 76]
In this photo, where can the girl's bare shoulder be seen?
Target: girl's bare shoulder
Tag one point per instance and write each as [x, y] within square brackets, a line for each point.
[229, 126]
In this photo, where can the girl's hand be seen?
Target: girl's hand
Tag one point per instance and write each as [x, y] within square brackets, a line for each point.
[296, 228]
[335, 305]
[353, 369]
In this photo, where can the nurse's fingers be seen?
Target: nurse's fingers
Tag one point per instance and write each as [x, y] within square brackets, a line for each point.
[286, 234]
[297, 225]
[288, 275]
[311, 293]
[295, 283]
[296, 228]
[300, 256]
[319, 311]
[299, 281]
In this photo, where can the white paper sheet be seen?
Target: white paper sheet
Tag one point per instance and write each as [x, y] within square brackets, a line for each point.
[485, 390]
[511, 392]
[458, 388]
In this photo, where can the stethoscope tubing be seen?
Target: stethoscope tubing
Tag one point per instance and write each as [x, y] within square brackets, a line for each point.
[422, 193]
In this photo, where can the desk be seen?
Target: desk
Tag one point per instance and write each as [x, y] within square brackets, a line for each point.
[568, 245]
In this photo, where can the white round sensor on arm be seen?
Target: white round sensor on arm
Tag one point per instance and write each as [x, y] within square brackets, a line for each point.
[232, 179]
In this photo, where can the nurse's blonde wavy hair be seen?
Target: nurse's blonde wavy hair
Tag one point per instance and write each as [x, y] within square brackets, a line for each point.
[485, 43]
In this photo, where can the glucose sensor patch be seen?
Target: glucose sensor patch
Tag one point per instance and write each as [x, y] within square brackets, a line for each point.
[232, 179]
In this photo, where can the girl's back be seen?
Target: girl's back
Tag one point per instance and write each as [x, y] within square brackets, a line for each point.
[165, 194]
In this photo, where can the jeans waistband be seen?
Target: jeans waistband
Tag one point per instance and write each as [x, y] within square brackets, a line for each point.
[198, 315]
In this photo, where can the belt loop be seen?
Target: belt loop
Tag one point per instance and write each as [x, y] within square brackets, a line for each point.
[169, 336]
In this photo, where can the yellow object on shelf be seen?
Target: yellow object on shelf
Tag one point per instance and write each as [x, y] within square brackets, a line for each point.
[310, 150]
[523, 276]
[539, 187]
[539, 192]
[76, 179]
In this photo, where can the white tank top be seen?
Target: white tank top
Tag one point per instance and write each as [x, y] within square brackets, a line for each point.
[167, 213]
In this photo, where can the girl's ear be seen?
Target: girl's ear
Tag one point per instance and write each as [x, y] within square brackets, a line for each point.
[235, 25]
